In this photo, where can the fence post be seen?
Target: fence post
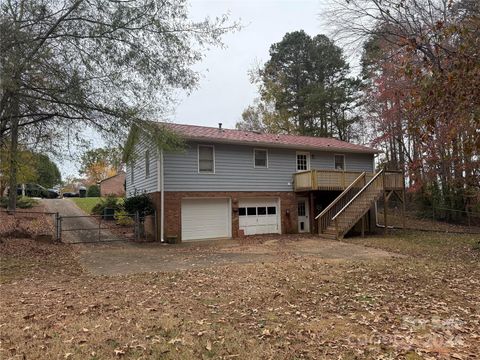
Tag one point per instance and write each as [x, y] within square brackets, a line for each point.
[58, 227]
[385, 204]
[137, 226]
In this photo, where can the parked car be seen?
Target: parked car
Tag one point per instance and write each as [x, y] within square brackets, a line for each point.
[53, 194]
[70, 194]
[36, 190]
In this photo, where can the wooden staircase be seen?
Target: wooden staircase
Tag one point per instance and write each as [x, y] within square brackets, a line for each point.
[350, 206]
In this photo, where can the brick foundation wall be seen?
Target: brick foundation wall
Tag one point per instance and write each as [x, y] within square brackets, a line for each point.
[114, 185]
[173, 201]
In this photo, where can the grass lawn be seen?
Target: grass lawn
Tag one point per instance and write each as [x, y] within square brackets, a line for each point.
[86, 204]
[423, 305]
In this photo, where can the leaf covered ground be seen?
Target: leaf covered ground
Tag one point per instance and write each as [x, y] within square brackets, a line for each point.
[420, 306]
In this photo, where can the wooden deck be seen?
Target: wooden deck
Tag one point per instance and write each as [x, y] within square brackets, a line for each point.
[338, 180]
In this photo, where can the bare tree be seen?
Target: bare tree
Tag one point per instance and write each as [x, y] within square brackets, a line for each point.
[104, 64]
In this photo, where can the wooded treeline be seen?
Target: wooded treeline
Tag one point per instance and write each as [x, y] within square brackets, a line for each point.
[418, 99]
[306, 89]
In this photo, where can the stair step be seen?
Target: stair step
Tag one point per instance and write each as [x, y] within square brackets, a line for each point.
[330, 231]
[328, 236]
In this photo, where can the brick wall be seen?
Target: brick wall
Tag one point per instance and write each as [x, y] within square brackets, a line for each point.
[113, 185]
[173, 201]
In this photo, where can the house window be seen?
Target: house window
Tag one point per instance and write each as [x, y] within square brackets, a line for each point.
[339, 162]
[303, 161]
[262, 210]
[260, 158]
[147, 164]
[271, 210]
[206, 159]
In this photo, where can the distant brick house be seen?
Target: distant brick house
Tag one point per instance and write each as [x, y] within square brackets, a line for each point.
[113, 185]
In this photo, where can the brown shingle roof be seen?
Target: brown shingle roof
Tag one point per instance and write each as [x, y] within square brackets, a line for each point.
[204, 133]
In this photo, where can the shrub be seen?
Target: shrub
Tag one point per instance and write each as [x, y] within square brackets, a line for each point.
[93, 191]
[122, 218]
[140, 203]
[110, 202]
[23, 202]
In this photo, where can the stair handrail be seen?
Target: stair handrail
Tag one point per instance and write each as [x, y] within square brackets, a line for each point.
[325, 217]
[337, 199]
[358, 194]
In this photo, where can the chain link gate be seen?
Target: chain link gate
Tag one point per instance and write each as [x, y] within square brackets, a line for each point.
[83, 229]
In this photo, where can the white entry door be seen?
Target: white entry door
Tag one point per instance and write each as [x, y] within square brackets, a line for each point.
[206, 219]
[259, 216]
[303, 211]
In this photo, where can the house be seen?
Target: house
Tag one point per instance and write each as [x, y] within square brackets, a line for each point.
[228, 183]
[114, 185]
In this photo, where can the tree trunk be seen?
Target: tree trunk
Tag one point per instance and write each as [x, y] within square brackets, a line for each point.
[12, 196]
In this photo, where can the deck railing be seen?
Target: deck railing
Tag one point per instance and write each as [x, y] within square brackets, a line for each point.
[319, 179]
[325, 217]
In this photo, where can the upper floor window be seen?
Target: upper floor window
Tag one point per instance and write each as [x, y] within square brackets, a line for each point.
[147, 163]
[206, 159]
[260, 158]
[339, 162]
[303, 161]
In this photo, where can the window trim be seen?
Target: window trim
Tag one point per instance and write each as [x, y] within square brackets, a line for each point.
[344, 162]
[198, 159]
[296, 160]
[147, 164]
[266, 158]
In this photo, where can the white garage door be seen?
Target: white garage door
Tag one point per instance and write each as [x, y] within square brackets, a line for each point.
[259, 216]
[205, 219]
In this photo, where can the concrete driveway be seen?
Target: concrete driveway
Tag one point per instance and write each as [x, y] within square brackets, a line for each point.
[77, 220]
[128, 258]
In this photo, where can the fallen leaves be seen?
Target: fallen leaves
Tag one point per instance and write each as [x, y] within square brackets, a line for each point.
[296, 307]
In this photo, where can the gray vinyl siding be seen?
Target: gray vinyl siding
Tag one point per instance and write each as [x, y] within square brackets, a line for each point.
[234, 170]
[142, 183]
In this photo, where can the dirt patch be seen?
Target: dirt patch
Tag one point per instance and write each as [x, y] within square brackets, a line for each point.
[122, 259]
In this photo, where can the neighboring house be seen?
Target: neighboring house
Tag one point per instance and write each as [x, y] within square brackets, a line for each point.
[227, 183]
[114, 185]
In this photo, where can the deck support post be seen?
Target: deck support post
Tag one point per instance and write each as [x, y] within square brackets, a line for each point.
[311, 214]
[336, 229]
[363, 226]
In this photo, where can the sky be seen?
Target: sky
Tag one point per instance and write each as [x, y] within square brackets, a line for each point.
[224, 89]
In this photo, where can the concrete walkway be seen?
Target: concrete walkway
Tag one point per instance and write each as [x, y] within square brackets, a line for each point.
[81, 220]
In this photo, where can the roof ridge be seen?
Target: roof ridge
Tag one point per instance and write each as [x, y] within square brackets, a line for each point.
[257, 132]
[291, 140]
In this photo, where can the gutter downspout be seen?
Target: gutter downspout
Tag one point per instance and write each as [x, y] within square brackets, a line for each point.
[160, 189]
[162, 200]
